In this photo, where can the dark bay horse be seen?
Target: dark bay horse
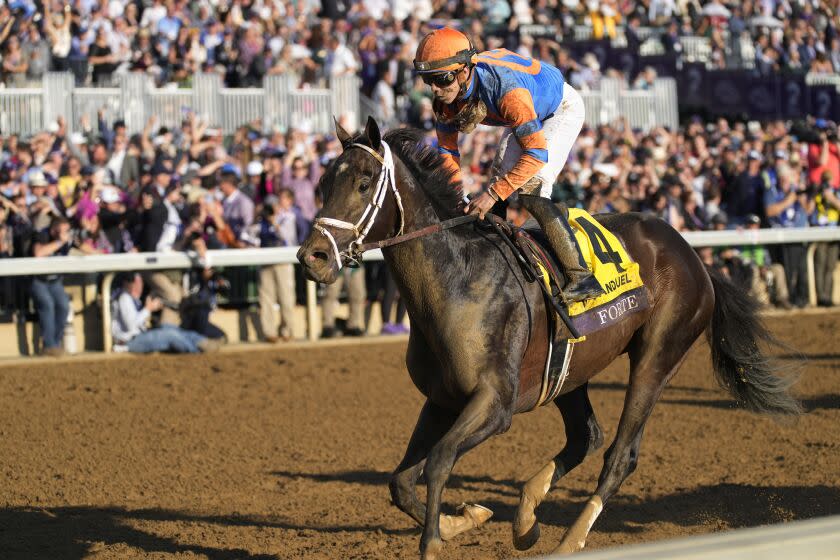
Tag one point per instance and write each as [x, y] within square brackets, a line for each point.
[479, 331]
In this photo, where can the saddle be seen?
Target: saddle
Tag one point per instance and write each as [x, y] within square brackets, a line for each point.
[624, 294]
[535, 259]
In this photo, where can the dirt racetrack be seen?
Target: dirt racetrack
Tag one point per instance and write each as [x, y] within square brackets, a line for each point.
[286, 453]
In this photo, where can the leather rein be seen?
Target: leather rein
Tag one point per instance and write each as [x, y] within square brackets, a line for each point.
[351, 257]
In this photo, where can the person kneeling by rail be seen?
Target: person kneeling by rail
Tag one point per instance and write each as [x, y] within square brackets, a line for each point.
[130, 317]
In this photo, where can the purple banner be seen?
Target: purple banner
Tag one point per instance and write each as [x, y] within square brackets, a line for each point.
[612, 313]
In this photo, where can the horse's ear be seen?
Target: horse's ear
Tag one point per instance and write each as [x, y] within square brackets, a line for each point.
[342, 135]
[372, 133]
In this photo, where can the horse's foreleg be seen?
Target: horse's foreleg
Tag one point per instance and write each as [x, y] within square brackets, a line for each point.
[482, 417]
[432, 424]
[583, 436]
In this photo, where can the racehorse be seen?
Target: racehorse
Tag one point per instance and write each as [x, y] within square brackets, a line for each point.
[479, 330]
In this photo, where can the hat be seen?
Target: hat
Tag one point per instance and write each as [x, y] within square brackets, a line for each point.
[442, 50]
[720, 218]
[37, 179]
[781, 154]
[752, 219]
[230, 168]
[78, 138]
[754, 155]
[159, 168]
[87, 170]
[110, 195]
[254, 168]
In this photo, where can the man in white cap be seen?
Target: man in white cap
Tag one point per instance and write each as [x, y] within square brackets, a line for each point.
[253, 173]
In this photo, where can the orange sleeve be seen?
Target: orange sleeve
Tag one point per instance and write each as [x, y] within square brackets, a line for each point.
[517, 108]
[448, 148]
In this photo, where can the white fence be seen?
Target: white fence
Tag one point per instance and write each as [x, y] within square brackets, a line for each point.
[644, 109]
[27, 111]
[111, 264]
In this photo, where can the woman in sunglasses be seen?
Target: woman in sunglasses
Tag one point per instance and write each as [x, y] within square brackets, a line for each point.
[543, 116]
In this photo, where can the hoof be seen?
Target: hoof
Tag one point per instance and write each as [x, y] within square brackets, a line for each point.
[527, 540]
[431, 550]
[567, 548]
[469, 517]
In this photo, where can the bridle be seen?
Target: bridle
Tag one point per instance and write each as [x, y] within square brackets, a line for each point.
[352, 255]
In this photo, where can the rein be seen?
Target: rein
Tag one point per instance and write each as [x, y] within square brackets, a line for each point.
[361, 228]
[428, 230]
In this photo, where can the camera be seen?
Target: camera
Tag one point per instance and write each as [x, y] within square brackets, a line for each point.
[813, 133]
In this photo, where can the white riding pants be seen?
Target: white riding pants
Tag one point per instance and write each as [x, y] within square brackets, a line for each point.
[561, 132]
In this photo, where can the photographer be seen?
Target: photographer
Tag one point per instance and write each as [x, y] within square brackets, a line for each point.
[825, 258]
[824, 178]
[130, 319]
[787, 204]
[48, 291]
[203, 281]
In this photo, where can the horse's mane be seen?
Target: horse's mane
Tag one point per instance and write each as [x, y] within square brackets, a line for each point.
[427, 167]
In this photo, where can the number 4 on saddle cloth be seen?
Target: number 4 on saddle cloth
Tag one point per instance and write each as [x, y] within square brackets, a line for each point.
[624, 292]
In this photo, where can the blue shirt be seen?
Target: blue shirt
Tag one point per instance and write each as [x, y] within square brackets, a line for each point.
[792, 216]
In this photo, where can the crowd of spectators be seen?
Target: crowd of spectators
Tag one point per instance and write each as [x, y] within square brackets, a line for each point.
[246, 40]
[103, 190]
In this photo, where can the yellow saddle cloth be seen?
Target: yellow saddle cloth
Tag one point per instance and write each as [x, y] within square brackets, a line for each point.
[617, 273]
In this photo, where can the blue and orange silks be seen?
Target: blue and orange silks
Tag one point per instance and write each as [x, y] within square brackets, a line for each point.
[519, 93]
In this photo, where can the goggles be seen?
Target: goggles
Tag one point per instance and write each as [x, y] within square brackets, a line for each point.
[440, 79]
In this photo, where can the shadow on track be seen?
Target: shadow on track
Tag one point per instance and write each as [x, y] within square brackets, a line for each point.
[70, 533]
[727, 506]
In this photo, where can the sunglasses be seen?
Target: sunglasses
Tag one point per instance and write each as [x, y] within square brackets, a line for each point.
[439, 79]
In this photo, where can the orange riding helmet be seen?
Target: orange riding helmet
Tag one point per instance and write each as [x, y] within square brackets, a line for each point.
[443, 50]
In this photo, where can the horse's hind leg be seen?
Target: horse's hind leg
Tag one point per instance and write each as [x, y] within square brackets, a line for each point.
[583, 436]
[432, 424]
[654, 359]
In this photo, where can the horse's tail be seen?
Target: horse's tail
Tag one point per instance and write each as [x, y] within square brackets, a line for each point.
[740, 366]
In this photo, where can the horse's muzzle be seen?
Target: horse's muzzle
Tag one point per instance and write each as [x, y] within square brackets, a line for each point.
[318, 262]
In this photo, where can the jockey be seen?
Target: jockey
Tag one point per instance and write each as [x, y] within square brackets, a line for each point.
[542, 112]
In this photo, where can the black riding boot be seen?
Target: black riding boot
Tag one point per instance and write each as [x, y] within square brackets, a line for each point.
[582, 285]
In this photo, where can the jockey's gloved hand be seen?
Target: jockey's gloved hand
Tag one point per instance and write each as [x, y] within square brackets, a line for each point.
[480, 205]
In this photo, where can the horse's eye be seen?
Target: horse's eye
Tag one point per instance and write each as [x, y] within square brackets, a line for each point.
[364, 184]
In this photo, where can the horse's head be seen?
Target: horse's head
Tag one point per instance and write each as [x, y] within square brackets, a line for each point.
[361, 203]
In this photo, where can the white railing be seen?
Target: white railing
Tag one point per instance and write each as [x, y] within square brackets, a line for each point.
[27, 111]
[111, 264]
[30, 110]
[814, 539]
[89, 101]
[20, 110]
[644, 109]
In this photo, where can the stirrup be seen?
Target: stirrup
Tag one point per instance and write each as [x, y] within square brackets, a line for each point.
[585, 289]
